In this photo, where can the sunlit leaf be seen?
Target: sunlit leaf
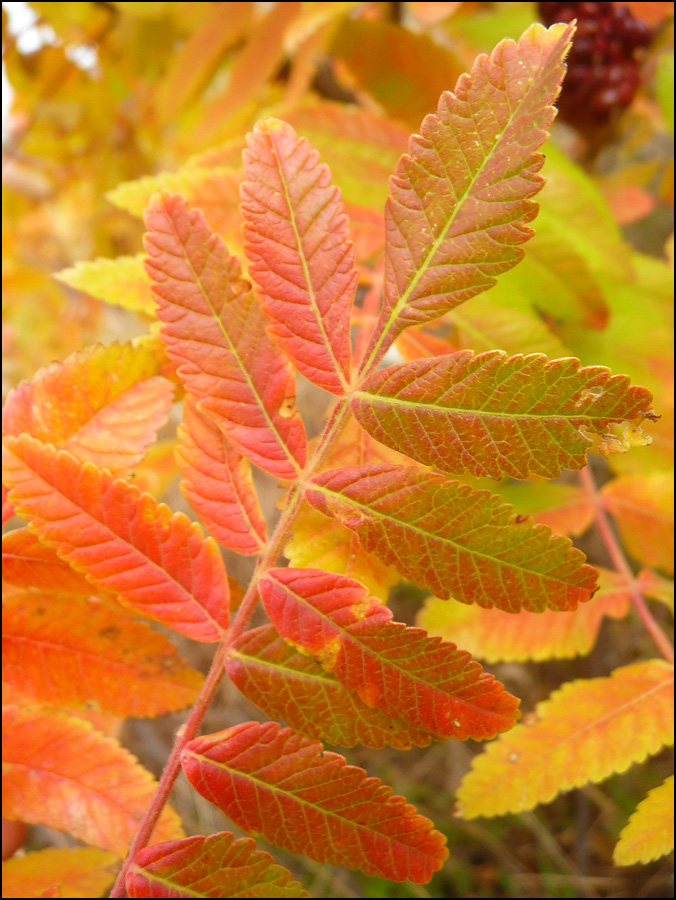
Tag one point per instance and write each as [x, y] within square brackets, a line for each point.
[296, 239]
[497, 636]
[58, 771]
[66, 651]
[120, 282]
[430, 684]
[587, 730]
[104, 405]
[290, 685]
[213, 866]
[273, 782]
[496, 415]
[123, 541]
[455, 541]
[59, 872]
[650, 830]
[461, 198]
[214, 331]
[217, 483]
[643, 507]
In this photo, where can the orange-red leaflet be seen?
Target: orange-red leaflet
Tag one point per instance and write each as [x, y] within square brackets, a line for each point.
[427, 682]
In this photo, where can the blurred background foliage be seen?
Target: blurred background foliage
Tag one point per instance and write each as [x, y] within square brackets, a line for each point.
[146, 95]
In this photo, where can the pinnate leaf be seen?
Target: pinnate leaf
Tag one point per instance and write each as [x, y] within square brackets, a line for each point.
[59, 872]
[461, 198]
[494, 415]
[218, 485]
[213, 866]
[122, 540]
[121, 282]
[301, 261]
[104, 404]
[214, 330]
[586, 731]
[66, 651]
[58, 771]
[497, 636]
[649, 833]
[455, 541]
[292, 686]
[430, 684]
[273, 782]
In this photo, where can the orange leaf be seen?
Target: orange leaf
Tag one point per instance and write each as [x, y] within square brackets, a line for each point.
[273, 782]
[59, 872]
[58, 771]
[587, 730]
[66, 651]
[27, 563]
[104, 405]
[643, 506]
[123, 541]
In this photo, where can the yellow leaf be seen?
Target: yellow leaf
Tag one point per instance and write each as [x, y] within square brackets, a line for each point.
[586, 731]
[649, 833]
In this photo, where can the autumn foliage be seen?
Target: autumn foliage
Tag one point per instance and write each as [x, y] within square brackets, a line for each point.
[272, 283]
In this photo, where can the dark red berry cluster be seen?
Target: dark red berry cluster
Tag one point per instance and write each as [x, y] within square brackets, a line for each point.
[603, 71]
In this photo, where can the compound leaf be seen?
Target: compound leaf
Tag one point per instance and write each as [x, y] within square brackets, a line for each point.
[122, 540]
[58, 771]
[649, 833]
[214, 330]
[274, 782]
[217, 483]
[461, 198]
[301, 261]
[455, 541]
[292, 686]
[215, 866]
[587, 730]
[430, 684]
[494, 415]
[64, 651]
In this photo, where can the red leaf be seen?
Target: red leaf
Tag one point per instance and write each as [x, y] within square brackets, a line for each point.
[292, 686]
[28, 563]
[123, 541]
[430, 684]
[495, 415]
[214, 331]
[273, 782]
[218, 484]
[302, 263]
[455, 541]
[461, 198]
[213, 866]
